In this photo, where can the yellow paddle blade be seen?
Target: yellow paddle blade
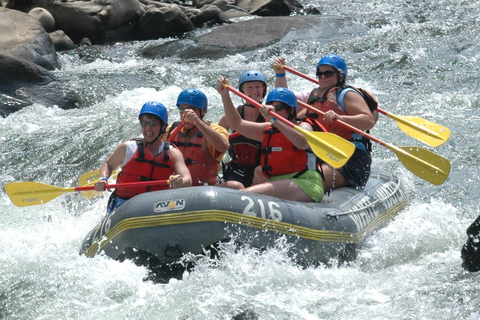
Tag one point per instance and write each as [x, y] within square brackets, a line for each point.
[423, 130]
[31, 193]
[423, 163]
[329, 147]
[89, 179]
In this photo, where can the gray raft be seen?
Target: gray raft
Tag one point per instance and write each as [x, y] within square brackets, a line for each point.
[168, 224]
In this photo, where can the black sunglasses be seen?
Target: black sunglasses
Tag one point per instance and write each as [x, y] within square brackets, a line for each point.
[151, 123]
[280, 107]
[326, 74]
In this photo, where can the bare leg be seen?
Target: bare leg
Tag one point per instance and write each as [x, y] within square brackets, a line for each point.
[333, 178]
[232, 184]
[258, 176]
[284, 189]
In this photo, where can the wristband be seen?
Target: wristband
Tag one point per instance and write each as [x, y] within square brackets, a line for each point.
[280, 75]
[103, 179]
[272, 120]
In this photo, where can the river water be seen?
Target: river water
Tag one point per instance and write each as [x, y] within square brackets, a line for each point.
[420, 58]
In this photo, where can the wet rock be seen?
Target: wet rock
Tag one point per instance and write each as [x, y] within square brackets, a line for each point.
[61, 41]
[164, 22]
[245, 35]
[45, 18]
[471, 249]
[27, 57]
[100, 21]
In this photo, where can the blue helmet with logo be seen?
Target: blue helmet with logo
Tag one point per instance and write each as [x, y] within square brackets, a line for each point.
[193, 97]
[283, 95]
[155, 108]
[252, 75]
[335, 61]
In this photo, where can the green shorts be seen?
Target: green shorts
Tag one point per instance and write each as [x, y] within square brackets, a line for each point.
[310, 182]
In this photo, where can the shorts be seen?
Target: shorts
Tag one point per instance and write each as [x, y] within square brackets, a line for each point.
[357, 169]
[237, 172]
[114, 202]
[310, 182]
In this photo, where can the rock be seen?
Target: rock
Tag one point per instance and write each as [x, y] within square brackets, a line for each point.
[101, 21]
[61, 41]
[269, 7]
[45, 18]
[27, 55]
[164, 22]
[207, 13]
[470, 252]
[25, 38]
[245, 36]
[230, 14]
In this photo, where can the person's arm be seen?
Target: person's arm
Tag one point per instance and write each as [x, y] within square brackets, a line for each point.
[181, 177]
[280, 75]
[224, 123]
[214, 137]
[112, 162]
[358, 113]
[249, 129]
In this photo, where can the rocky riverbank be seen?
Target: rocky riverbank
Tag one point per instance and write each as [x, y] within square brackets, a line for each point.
[34, 30]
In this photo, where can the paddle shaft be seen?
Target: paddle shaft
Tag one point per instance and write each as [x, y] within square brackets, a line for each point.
[329, 147]
[258, 105]
[423, 128]
[176, 131]
[125, 185]
[343, 124]
[31, 193]
[435, 171]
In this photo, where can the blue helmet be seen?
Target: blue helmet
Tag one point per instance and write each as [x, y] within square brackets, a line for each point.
[155, 108]
[283, 95]
[252, 75]
[336, 62]
[193, 97]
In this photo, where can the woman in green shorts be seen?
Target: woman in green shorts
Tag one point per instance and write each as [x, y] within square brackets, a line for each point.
[285, 160]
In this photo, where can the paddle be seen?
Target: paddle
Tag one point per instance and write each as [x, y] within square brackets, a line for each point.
[31, 193]
[423, 163]
[329, 147]
[89, 178]
[423, 130]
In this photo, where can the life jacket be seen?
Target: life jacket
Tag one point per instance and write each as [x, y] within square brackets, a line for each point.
[144, 166]
[245, 151]
[203, 168]
[279, 155]
[333, 99]
[312, 119]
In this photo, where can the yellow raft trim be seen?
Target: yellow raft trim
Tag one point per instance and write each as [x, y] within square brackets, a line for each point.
[241, 219]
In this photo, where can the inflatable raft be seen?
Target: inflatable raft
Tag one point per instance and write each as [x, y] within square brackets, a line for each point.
[167, 224]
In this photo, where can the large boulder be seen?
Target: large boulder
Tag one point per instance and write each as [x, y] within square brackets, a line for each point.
[162, 22]
[254, 33]
[27, 55]
[99, 20]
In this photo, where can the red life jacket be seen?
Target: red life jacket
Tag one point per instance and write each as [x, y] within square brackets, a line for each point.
[279, 155]
[245, 151]
[144, 166]
[312, 119]
[324, 103]
[203, 168]
[328, 101]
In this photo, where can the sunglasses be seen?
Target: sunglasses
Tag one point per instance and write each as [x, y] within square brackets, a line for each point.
[280, 107]
[151, 123]
[326, 74]
[182, 109]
